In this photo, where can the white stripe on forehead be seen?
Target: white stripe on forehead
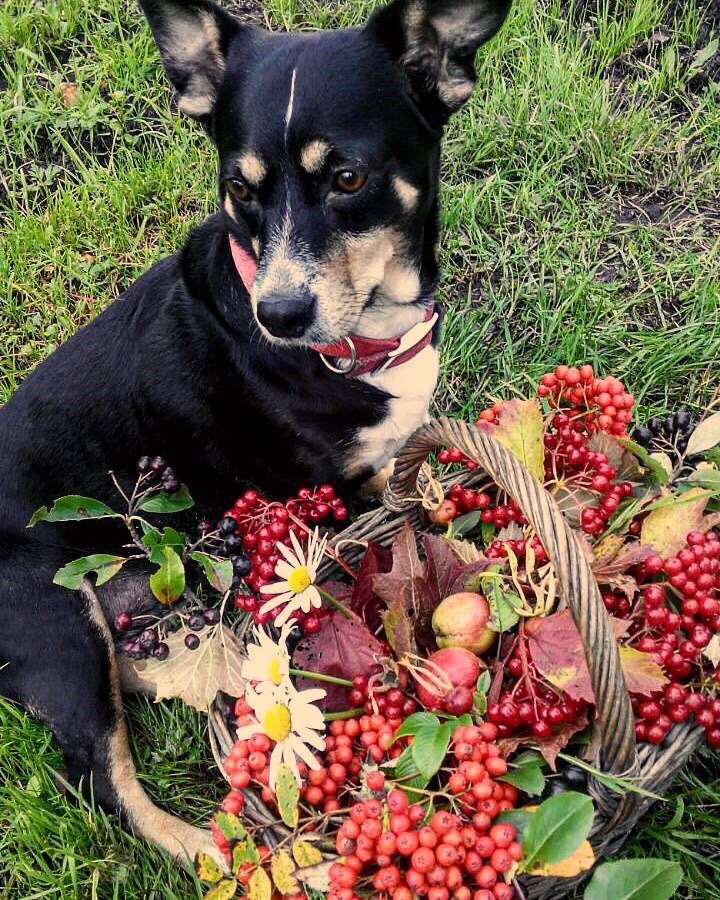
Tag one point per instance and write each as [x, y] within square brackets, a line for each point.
[291, 101]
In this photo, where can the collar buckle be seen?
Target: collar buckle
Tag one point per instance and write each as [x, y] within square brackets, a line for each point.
[342, 366]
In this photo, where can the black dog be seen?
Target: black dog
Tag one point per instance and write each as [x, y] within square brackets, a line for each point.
[291, 341]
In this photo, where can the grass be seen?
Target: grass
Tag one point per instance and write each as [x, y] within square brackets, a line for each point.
[580, 189]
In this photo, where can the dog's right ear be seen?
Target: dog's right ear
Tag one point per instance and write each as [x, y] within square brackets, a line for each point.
[193, 38]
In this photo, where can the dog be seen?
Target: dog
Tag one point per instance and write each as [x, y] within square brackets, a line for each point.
[292, 340]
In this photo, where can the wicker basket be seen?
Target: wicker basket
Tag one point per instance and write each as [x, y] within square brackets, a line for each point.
[652, 768]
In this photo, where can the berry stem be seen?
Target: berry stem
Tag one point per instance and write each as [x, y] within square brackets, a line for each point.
[319, 676]
[336, 603]
[344, 714]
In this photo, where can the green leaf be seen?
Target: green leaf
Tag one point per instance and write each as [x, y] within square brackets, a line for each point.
[155, 541]
[487, 532]
[557, 829]
[168, 503]
[206, 868]
[244, 851]
[231, 827]
[416, 722]
[219, 572]
[654, 466]
[73, 508]
[407, 776]
[105, 566]
[168, 583]
[705, 477]
[517, 817]
[224, 890]
[465, 524]
[634, 879]
[288, 796]
[429, 748]
[502, 613]
[528, 778]
[484, 681]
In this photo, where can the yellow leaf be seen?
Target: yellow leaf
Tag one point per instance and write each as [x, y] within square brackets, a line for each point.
[224, 890]
[306, 854]
[282, 868]
[288, 796]
[642, 674]
[68, 92]
[259, 886]
[316, 877]
[580, 861]
[666, 528]
[520, 429]
[206, 868]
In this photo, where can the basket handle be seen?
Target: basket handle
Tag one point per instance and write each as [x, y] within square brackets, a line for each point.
[577, 583]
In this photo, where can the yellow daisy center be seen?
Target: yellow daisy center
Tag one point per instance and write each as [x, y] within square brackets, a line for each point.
[274, 673]
[299, 580]
[277, 722]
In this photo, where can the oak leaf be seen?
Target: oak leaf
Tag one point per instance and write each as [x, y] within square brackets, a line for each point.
[195, 676]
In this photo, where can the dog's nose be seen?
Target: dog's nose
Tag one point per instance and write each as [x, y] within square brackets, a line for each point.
[287, 315]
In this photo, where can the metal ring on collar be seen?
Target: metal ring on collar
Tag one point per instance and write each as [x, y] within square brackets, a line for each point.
[348, 365]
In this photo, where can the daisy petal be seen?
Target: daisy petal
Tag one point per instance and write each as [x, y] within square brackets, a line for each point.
[302, 751]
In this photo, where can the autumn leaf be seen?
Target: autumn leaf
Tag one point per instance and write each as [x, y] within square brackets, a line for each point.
[642, 674]
[549, 747]
[667, 526]
[613, 558]
[364, 599]
[259, 887]
[579, 861]
[282, 868]
[520, 428]
[712, 651]
[343, 647]
[317, 878]
[306, 854]
[68, 92]
[195, 676]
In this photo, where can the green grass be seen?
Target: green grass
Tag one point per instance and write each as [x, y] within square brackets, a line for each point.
[581, 192]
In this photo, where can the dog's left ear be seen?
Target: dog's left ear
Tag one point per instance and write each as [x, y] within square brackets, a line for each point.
[193, 38]
[434, 42]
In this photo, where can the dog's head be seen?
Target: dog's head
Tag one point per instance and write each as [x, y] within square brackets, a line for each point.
[328, 146]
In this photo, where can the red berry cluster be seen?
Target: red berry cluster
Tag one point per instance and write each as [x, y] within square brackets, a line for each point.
[675, 620]
[375, 699]
[602, 402]
[389, 848]
[261, 524]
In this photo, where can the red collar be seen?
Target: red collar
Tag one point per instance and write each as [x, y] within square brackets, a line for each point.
[353, 355]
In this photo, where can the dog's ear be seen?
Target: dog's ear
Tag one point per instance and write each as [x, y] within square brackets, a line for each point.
[193, 37]
[434, 42]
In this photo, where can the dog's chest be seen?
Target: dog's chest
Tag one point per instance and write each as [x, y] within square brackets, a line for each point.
[411, 386]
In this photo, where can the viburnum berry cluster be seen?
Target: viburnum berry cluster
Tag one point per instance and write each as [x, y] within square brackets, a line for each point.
[392, 847]
[251, 530]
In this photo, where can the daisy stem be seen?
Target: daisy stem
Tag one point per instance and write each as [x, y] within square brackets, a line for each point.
[344, 714]
[336, 603]
[318, 676]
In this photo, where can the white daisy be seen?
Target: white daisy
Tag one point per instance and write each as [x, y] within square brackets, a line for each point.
[290, 718]
[268, 661]
[298, 571]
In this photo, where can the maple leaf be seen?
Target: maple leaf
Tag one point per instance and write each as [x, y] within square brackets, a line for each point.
[667, 526]
[195, 676]
[548, 747]
[520, 428]
[343, 647]
[557, 651]
[364, 599]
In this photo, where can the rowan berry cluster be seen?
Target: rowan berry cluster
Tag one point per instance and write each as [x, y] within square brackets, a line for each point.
[602, 403]
[254, 526]
[393, 848]
[374, 699]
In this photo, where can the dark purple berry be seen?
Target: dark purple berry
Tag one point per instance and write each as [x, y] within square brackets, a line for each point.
[196, 622]
[241, 564]
[204, 526]
[211, 616]
[123, 621]
[143, 465]
[162, 650]
[233, 544]
[171, 484]
[147, 639]
[192, 641]
[158, 465]
[227, 526]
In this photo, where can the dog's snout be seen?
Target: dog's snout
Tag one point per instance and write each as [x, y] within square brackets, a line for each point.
[287, 315]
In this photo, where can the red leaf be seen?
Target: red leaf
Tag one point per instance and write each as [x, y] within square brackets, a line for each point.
[557, 651]
[364, 599]
[343, 647]
[612, 561]
[550, 747]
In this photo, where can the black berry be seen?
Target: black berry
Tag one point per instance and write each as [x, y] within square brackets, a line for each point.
[196, 622]
[192, 641]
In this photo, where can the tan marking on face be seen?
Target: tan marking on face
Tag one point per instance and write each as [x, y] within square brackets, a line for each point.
[401, 283]
[407, 192]
[192, 45]
[171, 834]
[313, 156]
[252, 167]
[227, 203]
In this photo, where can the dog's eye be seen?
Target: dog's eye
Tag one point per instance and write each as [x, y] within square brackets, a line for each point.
[238, 189]
[348, 181]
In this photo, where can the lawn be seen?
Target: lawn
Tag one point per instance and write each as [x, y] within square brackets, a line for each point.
[581, 192]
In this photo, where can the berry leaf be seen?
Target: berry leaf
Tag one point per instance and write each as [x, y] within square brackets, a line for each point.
[288, 796]
[73, 508]
[429, 748]
[155, 540]
[306, 854]
[195, 676]
[418, 721]
[168, 583]
[219, 572]
[465, 524]
[230, 826]
[667, 525]
[705, 436]
[105, 566]
[207, 869]
[579, 861]
[343, 647]
[642, 674]
[244, 852]
[654, 466]
[260, 887]
[517, 817]
[520, 428]
[163, 502]
[364, 599]
[635, 879]
[282, 868]
[556, 829]
[528, 778]
[502, 612]
[224, 890]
